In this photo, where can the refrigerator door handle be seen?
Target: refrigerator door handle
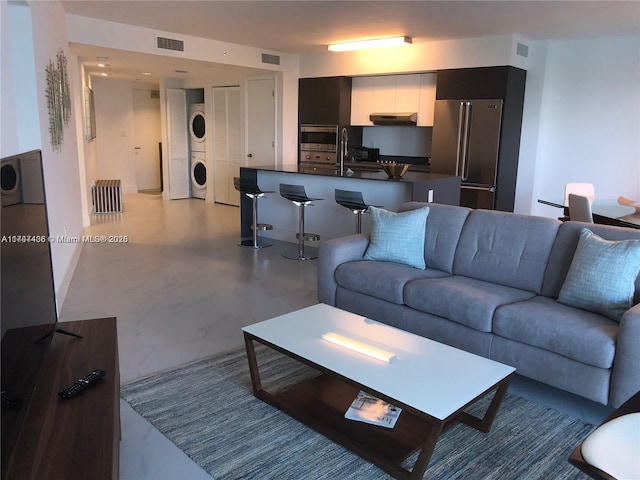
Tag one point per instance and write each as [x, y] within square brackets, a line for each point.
[466, 132]
[461, 140]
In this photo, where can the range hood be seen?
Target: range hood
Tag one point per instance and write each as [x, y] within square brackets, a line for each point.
[394, 118]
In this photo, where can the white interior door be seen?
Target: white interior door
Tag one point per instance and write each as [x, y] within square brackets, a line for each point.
[147, 136]
[226, 143]
[178, 147]
[260, 122]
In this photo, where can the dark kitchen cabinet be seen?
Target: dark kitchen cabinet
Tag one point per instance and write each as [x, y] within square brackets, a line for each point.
[503, 82]
[324, 101]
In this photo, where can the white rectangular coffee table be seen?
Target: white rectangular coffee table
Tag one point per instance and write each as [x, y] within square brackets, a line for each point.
[432, 383]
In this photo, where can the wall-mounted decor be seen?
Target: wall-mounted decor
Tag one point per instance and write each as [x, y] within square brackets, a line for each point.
[58, 99]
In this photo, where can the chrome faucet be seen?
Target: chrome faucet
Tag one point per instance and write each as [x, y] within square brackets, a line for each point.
[344, 148]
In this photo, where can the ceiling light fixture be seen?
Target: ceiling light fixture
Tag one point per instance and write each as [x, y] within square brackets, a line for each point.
[373, 43]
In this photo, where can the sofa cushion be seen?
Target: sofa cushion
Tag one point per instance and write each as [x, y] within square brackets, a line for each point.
[443, 232]
[464, 300]
[565, 245]
[544, 323]
[384, 280]
[398, 237]
[602, 275]
[505, 248]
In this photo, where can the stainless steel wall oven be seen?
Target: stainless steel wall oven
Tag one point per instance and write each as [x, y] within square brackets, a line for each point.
[319, 144]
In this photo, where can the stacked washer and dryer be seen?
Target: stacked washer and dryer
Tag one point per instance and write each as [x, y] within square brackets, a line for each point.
[197, 134]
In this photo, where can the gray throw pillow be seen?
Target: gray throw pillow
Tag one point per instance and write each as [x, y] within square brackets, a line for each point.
[602, 275]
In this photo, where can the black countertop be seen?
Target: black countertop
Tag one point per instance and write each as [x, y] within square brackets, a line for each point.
[411, 176]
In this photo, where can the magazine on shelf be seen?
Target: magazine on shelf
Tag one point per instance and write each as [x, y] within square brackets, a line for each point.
[369, 409]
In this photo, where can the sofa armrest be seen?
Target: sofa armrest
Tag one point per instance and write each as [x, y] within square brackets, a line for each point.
[625, 379]
[333, 253]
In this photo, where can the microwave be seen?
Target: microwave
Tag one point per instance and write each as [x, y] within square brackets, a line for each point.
[319, 137]
[365, 154]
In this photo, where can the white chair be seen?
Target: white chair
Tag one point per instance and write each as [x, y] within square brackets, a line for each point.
[584, 189]
[580, 208]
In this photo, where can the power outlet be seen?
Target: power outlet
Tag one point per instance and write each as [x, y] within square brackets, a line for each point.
[430, 196]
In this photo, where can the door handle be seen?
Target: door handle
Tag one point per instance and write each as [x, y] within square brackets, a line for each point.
[250, 155]
[460, 133]
[466, 129]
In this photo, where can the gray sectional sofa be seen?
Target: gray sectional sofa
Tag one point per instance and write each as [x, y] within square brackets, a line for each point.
[491, 287]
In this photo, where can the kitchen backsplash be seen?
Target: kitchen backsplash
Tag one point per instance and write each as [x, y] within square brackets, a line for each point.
[400, 141]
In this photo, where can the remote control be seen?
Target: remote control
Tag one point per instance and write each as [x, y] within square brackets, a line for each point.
[82, 383]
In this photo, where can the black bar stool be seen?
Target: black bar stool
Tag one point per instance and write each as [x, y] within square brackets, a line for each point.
[250, 188]
[297, 195]
[354, 202]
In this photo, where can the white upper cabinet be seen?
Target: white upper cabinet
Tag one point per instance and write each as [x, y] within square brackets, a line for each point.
[361, 100]
[407, 93]
[427, 101]
[384, 94]
[393, 94]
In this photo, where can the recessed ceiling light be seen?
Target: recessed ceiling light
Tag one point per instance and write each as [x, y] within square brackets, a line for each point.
[104, 65]
[104, 74]
[146, 73]
[102, 59]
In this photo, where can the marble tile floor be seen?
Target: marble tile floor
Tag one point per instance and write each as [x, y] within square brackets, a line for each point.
[182, 290]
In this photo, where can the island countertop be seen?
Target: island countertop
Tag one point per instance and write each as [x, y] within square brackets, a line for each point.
[327, 218]
[365, 174]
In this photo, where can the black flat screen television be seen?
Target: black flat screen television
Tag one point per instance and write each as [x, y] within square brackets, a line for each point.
[28, 302]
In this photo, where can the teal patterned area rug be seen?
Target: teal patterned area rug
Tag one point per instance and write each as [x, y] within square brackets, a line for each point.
[207, 409]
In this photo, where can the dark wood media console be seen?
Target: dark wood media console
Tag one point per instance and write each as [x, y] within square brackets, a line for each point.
[77, 438]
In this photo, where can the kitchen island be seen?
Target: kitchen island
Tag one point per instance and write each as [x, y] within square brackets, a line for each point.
[326, 217]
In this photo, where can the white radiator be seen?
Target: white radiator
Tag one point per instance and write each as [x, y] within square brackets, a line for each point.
[107, 196]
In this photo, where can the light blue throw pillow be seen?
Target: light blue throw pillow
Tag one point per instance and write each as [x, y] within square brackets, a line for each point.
[602, 275]
[398, 237]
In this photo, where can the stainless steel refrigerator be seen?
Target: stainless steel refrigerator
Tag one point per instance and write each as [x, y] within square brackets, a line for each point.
[466, 138]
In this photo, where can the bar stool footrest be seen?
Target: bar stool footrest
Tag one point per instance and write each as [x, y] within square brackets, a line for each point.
[264, 226]
[308, 237]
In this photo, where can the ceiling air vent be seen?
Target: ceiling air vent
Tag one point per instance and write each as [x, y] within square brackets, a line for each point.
[164, 43]
[272, 59]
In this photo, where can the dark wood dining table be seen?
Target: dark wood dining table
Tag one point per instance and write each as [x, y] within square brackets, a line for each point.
[605, 211]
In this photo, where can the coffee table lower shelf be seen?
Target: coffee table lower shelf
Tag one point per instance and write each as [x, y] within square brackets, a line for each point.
[321, 404]
[322, 401]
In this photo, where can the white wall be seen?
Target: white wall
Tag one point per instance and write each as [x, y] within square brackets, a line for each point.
[589, 120]
[23, 93]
